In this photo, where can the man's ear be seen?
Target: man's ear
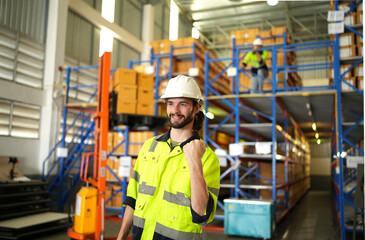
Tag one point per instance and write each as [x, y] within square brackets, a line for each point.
[197, 108]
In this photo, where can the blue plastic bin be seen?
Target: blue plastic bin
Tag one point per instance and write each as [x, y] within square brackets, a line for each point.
[250, 218]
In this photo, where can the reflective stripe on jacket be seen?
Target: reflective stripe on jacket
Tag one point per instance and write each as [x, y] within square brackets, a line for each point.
[160, 192]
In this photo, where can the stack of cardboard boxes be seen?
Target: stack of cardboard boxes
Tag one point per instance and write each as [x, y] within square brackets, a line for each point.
[184, 46]
[135, 92]
[112, 187]
[275, 36]
[351, 45]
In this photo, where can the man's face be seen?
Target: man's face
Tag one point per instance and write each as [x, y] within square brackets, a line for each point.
[180, 112]
[256, 47]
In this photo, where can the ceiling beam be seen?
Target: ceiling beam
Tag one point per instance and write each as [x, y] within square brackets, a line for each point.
[301, 24]
[227, 7]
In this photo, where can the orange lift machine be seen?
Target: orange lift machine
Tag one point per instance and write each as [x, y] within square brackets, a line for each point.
[89, 211]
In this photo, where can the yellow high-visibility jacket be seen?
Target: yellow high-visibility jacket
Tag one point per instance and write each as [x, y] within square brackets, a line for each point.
[251, 57]
[159, 191]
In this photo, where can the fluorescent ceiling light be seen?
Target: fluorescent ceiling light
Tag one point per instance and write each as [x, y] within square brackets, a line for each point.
[318, 141]
[314, 126]
[272, 2]
[316, 135]
[174, 21]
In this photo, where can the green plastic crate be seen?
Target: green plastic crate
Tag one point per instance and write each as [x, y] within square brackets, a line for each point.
[250, 218]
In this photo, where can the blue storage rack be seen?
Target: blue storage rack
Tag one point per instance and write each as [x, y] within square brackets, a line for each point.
[342, 139]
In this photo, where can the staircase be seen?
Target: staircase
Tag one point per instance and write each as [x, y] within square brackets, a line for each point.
[68, 169]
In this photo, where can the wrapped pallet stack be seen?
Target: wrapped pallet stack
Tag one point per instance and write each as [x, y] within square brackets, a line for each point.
[182, 65]
[275, 36]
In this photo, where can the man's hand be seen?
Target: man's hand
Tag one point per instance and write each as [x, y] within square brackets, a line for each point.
[194, 152]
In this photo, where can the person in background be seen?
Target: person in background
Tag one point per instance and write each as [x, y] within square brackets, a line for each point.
[259, 69]
[174, 188]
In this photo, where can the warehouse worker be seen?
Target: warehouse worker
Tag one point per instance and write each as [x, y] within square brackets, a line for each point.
[259, 69]
[174, 188]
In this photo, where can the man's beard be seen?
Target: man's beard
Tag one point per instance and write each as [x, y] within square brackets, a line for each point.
[182, 124]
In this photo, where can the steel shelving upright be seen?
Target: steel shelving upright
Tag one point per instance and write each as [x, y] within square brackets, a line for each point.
[348, 134]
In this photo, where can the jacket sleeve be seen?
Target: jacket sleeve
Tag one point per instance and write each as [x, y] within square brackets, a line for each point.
[211, 170]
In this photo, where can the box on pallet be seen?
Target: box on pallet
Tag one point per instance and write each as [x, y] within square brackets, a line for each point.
[348, 51]
[126, 106]
[347, 39]
[145, 94]
[145, 80]
[124, 76]
[350, 19]
[145, 108]
[126, 91]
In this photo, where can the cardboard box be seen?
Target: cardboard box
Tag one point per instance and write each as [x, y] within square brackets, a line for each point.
[343, 68]
[145, 108]
[350, 19]
[145, 80]
[250, 33]
[126, 106]
[347, 88]
[358, 71]
[126, 91]
[110, 164]
[165, 46]
[360, 83]
[266, 171]
[108, 194]
[118, 137]
[359, 18]
[349, 51]
[118, 198]
[347, 39]
[124, 76]
[278, 30]
[145, 94]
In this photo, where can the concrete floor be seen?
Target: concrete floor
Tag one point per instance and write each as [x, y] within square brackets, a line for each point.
[312, 219]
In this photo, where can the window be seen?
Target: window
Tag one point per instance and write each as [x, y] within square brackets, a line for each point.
[19, 120]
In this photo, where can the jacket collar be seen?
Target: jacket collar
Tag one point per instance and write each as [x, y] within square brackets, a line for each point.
[166, 136]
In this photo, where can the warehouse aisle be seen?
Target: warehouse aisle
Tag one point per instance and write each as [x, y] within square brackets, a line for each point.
[312, 218]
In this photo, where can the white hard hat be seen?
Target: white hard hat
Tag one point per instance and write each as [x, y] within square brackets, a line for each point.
[182, 86]
[257, 41]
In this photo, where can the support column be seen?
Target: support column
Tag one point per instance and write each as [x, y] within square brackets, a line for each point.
[54, 57]
[148, 24]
